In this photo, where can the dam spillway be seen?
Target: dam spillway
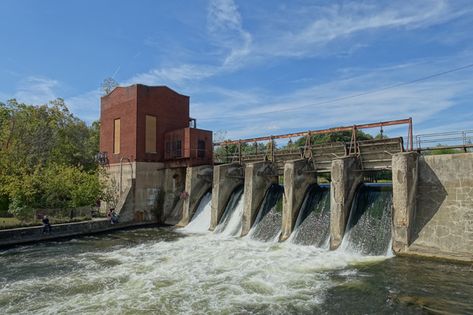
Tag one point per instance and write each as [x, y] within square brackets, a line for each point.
[267, 226]
[200, 221]
[231, 222]
[312, 226]
[369, 225]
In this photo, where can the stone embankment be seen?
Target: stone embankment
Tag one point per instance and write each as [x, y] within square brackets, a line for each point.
[35, 234]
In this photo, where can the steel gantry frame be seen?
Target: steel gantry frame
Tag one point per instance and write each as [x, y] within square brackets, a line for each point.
[353, 148]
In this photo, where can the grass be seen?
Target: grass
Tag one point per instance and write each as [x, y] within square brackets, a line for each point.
[11, 223]
[6, 223]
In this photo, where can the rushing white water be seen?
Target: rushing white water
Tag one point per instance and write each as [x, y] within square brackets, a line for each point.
[200, 222]
[198, 274]
[267, 225]
[233, 225]
[368, 231]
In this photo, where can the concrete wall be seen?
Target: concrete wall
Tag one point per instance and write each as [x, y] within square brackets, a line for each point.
[404, 174]
[148, 179]
[198, 182]
[170, 205]
[298, 175]
[126, 205]
[149, 184]
[34, 234]
[443, 224]
[156, 193]
[345, 179]
[259, 176]
[226, 178]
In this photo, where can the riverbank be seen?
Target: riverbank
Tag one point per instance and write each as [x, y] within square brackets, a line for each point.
[25, 235]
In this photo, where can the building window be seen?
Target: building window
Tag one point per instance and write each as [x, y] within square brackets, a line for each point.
[177, 149]
[168, 149]
[201, 149]
[116, 136]
[150, 137]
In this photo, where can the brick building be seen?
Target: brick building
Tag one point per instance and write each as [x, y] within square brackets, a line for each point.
[152, 124]
[148, 143]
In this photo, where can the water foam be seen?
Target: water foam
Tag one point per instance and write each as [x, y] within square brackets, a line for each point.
[200, 222]
[231, 224]
[200, 274]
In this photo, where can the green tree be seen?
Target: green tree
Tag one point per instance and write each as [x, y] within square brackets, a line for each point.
[339, 136]
[47, 158]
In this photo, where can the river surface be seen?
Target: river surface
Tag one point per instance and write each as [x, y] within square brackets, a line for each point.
[161, 271]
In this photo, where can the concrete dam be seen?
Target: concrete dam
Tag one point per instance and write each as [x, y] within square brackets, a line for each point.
[368, 218]
[257, 226]
[425, 210]
[320, 194]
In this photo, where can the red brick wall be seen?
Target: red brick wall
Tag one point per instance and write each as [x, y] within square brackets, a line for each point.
[171, 110]
[132, 104]
[121, 103]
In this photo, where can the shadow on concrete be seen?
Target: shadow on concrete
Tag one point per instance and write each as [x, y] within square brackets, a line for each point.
[430, 196]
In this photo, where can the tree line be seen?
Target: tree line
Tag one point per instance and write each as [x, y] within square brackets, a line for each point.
[47, 158]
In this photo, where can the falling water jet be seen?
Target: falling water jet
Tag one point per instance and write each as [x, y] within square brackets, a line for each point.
[231, 222]
[369, 224]
[313, 221]
[200, 222]
[267, 226]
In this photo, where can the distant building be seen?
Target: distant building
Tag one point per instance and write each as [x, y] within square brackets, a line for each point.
[152, 124]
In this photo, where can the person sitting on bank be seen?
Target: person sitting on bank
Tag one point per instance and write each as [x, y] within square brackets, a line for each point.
[113, 216]
[46, 225]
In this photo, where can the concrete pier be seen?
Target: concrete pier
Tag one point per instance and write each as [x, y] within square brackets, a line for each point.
[198, 182]
[346, 177]
[405, 173]
[226, 178]
[443, 225]
[173, 186]
[298, 175]
[259, 176]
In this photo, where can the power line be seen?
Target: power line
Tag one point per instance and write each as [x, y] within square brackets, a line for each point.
[382, 89]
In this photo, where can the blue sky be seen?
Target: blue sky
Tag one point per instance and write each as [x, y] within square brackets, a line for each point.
[251, 68]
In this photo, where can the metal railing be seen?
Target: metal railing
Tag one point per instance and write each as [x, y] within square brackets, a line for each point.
[453, 139]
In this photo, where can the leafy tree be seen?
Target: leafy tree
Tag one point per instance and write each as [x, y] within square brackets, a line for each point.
[21, 211]
[443, 151]
[47, 158]
[339, 136]
[231, 150]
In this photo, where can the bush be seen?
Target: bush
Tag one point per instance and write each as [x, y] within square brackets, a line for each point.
[21, 211]
[55, 186]
[4, 203]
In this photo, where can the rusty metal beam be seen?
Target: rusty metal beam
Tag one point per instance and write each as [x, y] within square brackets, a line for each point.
[407, 121]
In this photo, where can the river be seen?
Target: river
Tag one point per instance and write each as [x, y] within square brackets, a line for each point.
[163, 271]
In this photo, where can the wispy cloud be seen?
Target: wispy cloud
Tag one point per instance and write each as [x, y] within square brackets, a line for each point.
[226, 30]
[177, 75]
[313, 107]
[325, 24]
[36, 90]
[87, 104]
[231, 43]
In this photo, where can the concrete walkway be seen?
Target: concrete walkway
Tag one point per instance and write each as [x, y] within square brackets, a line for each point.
[18, 236]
